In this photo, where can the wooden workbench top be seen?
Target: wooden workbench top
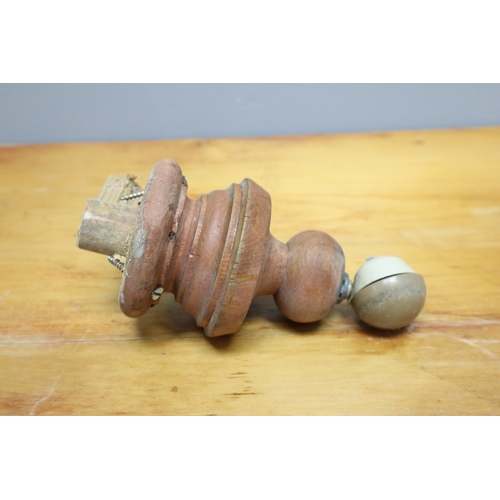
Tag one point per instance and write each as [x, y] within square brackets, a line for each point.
[429, 197]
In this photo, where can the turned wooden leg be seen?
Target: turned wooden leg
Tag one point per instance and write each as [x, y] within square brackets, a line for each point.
[215, 254]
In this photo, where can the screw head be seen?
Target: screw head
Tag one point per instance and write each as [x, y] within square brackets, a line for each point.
[157, 293]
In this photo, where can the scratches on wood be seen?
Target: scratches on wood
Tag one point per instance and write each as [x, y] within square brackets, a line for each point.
[473, 343]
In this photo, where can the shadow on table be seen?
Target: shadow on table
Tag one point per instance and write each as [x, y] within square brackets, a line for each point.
[168, 320]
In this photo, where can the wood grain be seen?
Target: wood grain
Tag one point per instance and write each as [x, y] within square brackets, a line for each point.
[429, 197]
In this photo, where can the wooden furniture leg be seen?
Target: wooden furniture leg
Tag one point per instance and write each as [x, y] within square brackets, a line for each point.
[216, 254]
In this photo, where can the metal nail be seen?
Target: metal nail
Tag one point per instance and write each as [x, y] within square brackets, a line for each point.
[131, 196]
[117, 263]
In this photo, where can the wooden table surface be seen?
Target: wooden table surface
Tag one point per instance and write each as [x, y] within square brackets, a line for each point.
[429, 197]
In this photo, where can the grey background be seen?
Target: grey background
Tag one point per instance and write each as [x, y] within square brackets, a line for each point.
[41, 113]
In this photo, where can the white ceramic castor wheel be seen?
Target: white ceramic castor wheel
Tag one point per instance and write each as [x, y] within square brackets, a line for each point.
[387, 293]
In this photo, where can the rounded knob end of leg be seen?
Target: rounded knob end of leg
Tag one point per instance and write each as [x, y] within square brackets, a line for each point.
[313, 277]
